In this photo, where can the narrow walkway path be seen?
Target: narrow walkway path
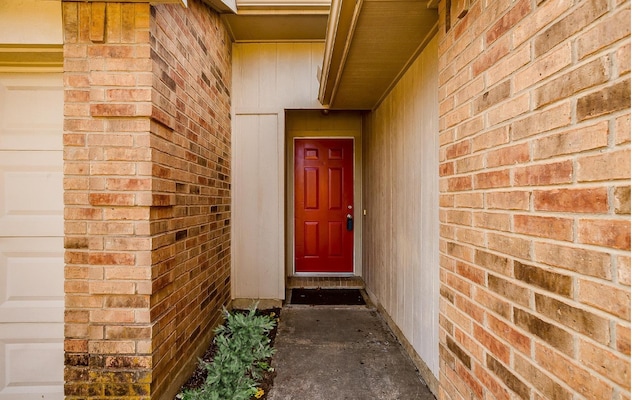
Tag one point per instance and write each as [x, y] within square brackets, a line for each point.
[341, 353]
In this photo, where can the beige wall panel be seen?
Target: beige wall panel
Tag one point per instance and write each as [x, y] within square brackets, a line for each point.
[267, 79]
[400, 260]
[30, 22]
[256, 242]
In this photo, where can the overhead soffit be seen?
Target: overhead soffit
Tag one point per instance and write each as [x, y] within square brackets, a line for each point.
[279, 20]
[370, 43]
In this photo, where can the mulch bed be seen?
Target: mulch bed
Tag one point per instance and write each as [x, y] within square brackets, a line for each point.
[199, 376]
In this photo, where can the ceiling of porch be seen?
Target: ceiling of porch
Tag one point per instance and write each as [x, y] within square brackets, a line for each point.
[369, 43]
[279, 20]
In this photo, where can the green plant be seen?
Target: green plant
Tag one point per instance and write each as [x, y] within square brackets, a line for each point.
[243, 348]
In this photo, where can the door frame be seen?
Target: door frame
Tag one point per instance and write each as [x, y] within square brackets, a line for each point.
[357, 216]
[317, 125]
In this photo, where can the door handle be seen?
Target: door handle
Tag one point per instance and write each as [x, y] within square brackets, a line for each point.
[349, 222]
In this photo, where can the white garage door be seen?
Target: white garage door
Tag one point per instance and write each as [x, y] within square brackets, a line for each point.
[31, 237]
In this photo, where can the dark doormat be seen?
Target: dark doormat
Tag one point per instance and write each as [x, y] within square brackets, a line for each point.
[331, 297]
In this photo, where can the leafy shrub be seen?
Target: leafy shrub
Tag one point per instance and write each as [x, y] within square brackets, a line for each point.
[243, 348]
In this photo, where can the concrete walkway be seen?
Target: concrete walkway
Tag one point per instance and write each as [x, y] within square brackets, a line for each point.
[341, 353]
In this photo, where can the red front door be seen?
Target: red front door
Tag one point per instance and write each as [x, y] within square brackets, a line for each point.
[324, 205]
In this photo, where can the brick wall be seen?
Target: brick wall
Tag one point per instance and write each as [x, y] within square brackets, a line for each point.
[146, 147]
[535, 189]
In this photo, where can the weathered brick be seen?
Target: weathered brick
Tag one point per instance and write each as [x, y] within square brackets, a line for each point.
[573, 375]
[505, 288]
[512, 200]
[543, 67]
[624, 270]
[492, 303]
[575, 318]
[607, 100]
[572, 141]
[583, 77]
[606, 363]
[509, 379]
[543, 121]
[546, 331]
[493, 262]
[544, 384]
[511, 245]
[470, 164]
[623, 129]
[495, 221]
[623, 339]
[587, 262]
[608, 30]
[581, 16]
[544, 279]
[493, 96]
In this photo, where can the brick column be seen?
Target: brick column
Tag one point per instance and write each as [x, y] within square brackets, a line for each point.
[147, 139]
[108, 78]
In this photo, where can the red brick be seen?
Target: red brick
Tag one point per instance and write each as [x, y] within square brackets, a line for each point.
[508, 21]
[508, 155]
[545, 227]
[573, 375]
[458, 183]
[494, 179]
[606, 363]
[613, 300]
[601, 167]
[544, 174]
[491, 343]
[608, 233]
[512, 336]
[490, 57]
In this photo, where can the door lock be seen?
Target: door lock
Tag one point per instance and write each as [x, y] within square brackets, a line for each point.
[349, 222]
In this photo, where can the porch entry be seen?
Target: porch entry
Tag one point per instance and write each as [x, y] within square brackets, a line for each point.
[324, 207]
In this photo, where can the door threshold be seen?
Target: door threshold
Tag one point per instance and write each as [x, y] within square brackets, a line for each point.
[325, 282]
